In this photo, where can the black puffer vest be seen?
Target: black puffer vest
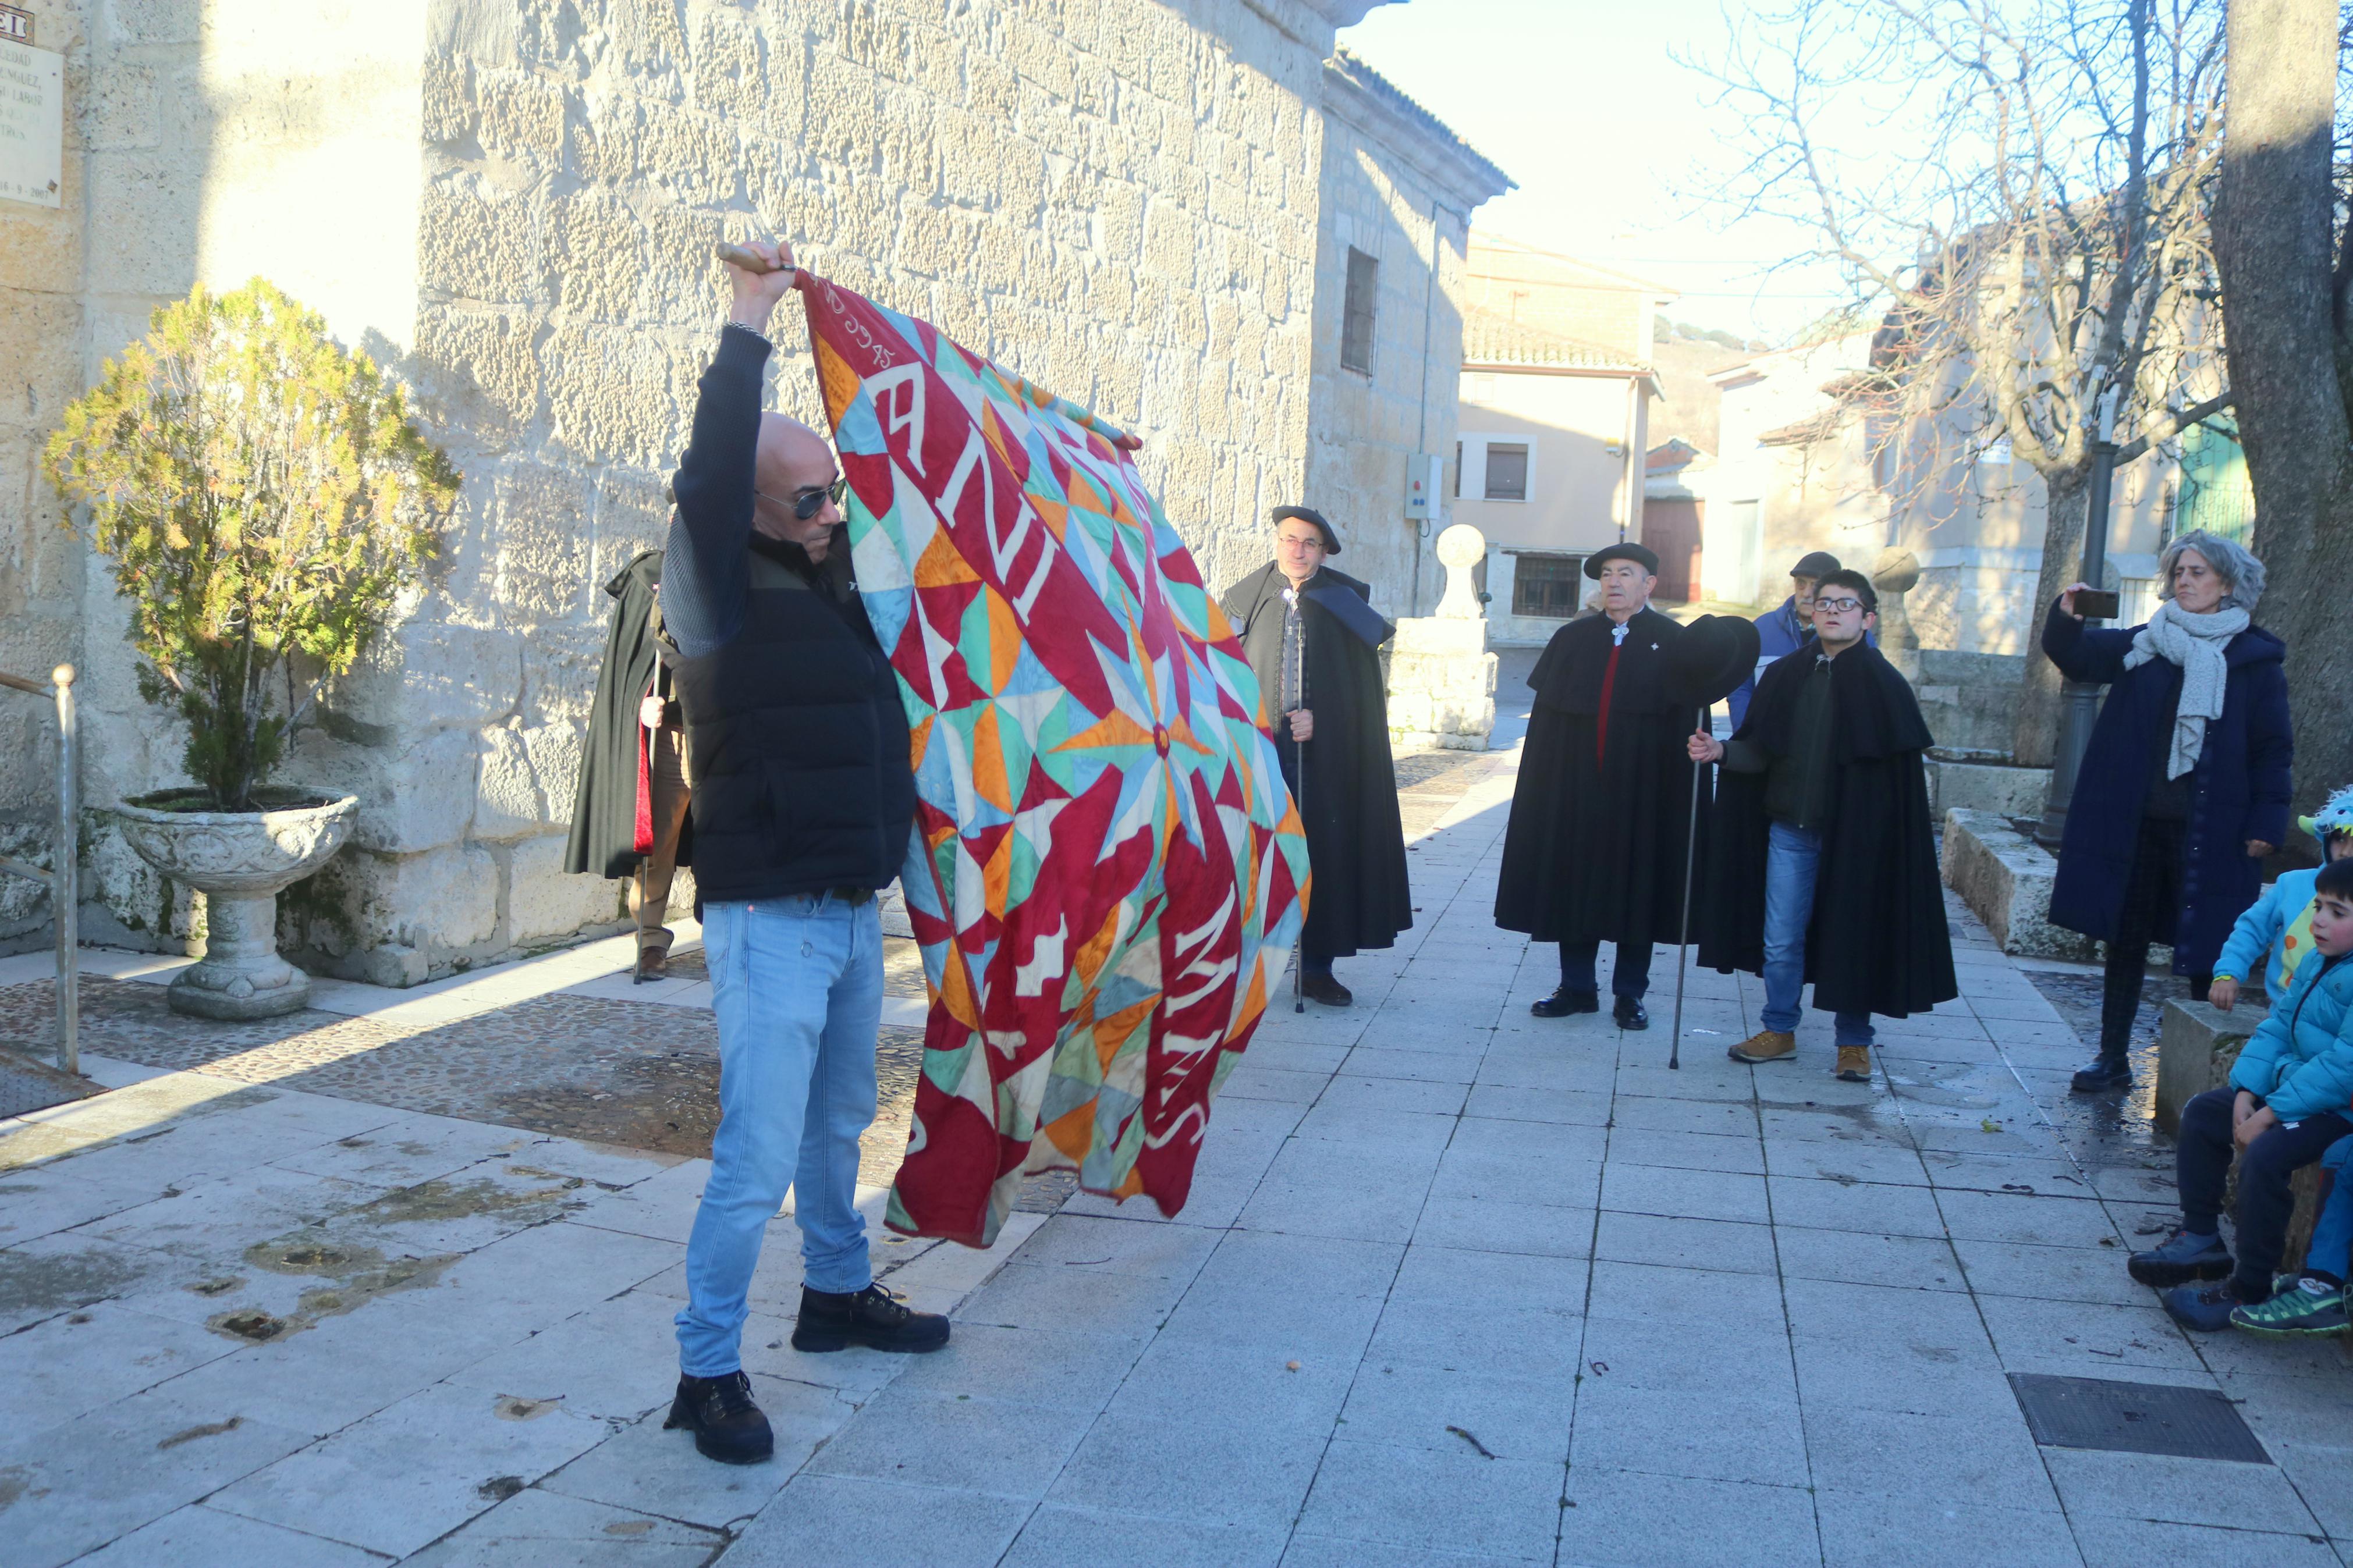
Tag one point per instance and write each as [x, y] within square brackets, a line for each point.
[801, 777]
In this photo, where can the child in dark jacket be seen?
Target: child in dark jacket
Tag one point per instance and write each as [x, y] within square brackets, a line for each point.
[2290, 1096]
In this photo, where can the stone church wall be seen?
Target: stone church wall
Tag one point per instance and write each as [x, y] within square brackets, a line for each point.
[513, 203]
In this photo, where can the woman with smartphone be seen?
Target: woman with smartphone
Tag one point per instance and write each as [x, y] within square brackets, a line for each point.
[2184, 790]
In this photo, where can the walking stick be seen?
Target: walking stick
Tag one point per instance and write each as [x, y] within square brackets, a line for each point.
[1683, 941]
[1299, 668]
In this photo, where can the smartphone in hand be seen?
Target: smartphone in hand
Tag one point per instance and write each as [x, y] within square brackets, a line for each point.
[2098, 603]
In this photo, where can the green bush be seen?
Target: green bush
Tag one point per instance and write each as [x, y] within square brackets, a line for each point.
[261, 495]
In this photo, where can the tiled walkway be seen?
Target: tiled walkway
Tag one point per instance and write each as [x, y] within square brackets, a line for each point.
[1456, 1286]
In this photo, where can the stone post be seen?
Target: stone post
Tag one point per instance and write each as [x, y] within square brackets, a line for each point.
[1442, 677]
[1896, 574]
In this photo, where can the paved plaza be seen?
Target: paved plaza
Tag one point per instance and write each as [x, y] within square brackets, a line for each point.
[1455, 1286]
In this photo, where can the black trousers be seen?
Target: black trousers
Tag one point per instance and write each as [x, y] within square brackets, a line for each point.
[2154, 888]
[1632, 977]
[2201, 1163]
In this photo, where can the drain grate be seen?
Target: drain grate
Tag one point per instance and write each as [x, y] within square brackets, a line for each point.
[2134, 1418]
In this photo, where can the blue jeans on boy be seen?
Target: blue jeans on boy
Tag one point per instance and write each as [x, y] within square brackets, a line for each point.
[1793, 857]
[2332, 1234]
[797, 984]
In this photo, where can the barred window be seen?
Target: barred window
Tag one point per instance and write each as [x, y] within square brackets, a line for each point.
[1357, 312]
[1547, 584]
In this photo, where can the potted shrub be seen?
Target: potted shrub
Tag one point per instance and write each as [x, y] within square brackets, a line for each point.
[262, 499]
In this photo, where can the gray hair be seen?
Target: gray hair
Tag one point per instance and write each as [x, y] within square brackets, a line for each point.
[2242, 574]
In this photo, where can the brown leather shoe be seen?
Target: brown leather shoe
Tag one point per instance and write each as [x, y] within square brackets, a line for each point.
[1854, 1064]
[1766, 1046]
[653, 964]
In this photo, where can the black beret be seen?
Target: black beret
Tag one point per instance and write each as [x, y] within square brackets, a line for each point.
[1283, 514]
[1634, 552]
[1815, 563]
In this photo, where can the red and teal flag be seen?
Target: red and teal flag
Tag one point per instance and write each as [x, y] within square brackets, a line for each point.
[1107, 873]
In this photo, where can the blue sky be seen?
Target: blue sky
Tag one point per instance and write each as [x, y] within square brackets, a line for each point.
[1611, 143]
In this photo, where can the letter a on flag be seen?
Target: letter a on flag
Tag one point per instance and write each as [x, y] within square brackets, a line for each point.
[1107, 872]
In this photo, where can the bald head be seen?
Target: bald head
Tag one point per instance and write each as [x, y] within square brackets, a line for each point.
[792, 461]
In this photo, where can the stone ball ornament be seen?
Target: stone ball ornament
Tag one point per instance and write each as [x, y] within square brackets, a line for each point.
[1461, 548]
[240, 860]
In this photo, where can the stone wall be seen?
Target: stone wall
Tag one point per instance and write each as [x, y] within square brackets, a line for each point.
[513, 203]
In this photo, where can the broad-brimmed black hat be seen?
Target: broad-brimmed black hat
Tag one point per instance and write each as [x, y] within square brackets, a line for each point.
[1283, 514]
[1815, 563]
[1709, 660]
[1634, 552]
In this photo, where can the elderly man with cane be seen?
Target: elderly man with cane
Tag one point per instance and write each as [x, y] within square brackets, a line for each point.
[804, 805]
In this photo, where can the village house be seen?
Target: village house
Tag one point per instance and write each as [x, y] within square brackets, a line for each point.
[1198, 220]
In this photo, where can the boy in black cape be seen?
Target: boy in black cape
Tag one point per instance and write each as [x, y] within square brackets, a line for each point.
[1339, 720]
[1601, 809]
[1822, 783]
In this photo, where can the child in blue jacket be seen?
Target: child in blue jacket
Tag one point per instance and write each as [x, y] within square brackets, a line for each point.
[2290, 1096]
[2275, 933]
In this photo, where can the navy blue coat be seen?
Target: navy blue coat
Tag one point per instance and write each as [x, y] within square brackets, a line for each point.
[2238, 790]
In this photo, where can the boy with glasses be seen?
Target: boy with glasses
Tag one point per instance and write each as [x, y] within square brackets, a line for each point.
[1823, 790]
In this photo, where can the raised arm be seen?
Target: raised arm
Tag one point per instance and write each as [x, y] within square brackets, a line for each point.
[704, 570]
[2082, 654]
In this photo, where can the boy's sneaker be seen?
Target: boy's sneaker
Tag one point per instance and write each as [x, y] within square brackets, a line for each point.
[1853, 1064]
[1765, 1045]
[2206, 1308]
[2306, 1307]
[2182, 1260]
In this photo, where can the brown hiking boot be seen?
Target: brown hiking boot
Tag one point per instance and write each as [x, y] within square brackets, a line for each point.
[1854, 1064]
[1766, 1046]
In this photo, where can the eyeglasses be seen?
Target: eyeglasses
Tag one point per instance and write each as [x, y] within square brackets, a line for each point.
[1838, 606]
[807, 503]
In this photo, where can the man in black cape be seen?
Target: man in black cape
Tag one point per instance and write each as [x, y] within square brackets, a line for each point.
[1313, 639]
[633, 789]
[1822, 785]
[1601, 811]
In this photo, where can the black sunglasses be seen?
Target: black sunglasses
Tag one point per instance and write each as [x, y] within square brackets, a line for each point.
[806, 504]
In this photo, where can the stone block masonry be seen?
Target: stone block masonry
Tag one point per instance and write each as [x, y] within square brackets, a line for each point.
[512, 204]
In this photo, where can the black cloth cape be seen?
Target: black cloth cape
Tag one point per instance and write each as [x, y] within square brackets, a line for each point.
[1595, 850]
[1878, 943]
[1356, 840]
[605, 813]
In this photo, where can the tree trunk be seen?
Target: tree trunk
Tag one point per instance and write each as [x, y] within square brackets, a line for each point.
[2034, 739]
[2273, 247]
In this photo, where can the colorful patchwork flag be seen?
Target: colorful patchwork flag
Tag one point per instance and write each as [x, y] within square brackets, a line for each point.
[1108, 873]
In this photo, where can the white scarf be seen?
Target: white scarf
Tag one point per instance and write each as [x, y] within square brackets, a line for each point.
[2194, 644]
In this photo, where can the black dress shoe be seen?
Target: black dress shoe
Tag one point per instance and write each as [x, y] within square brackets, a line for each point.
[1564, 1002]
[2108, 1072]
[727, 1425]
[1325, 989]
[873, 1317]
[1629, 1014]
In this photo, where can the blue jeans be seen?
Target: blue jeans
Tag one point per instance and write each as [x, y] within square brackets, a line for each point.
[797, 984]
[1791, 857]
[2332, 1234]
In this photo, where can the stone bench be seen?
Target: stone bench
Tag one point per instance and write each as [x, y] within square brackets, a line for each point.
[2004, 877]
[2196, 1047]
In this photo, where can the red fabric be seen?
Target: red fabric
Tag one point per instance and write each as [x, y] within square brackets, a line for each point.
[1609, 684]
[644, 843]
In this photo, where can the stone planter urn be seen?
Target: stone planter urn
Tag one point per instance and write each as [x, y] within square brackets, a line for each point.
[240, 860]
